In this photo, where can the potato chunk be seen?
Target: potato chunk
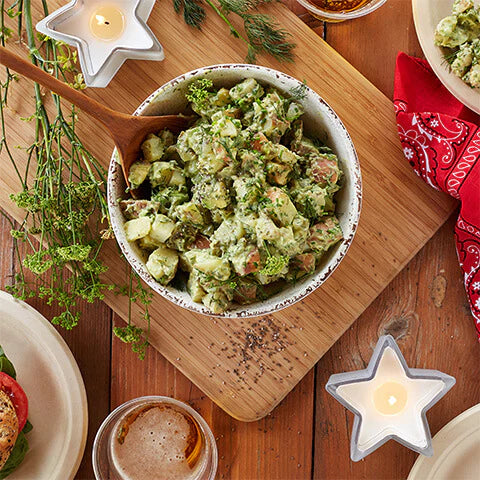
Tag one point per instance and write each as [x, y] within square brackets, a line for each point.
[205, 262]
[194, 288]
[325, 234]
[138, 208]
[160, 173]
[154, 146]
[138, 173]
[137, 228]
[216, 301]
[162, 228]
[162, 264]
[266, 229]
[148, 243]
[245, 259]
[281, 208]
[278, 173]
[189, 213]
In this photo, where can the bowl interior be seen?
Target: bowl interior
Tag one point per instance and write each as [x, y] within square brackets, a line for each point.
[341, 15]
[319, 120]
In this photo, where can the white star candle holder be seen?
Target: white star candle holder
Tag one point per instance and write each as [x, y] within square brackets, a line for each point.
[389, 400]
[106, 33]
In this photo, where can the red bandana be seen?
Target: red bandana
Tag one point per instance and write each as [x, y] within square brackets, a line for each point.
[441, 140]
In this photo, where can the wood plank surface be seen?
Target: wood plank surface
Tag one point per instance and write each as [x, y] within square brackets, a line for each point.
[213, 356]
[424, 307]
[90, 343]
[254, 450]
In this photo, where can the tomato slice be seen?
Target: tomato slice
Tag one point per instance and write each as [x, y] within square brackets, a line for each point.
[18, 397]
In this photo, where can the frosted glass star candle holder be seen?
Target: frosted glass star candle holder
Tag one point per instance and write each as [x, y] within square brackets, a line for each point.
[105, 33]
[389, 401]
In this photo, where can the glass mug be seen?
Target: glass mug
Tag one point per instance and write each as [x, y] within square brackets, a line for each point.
[154, 437]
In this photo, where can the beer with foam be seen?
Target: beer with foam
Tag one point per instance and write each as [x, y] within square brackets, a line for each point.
[156, 439]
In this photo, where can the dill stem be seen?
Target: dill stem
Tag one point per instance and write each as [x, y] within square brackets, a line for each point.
[234, 31]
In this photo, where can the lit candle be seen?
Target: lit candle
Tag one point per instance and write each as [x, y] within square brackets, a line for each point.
[106, 33]
[107, 23]
[390, 398]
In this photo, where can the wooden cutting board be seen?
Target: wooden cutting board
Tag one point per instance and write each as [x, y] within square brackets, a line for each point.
[248, 365]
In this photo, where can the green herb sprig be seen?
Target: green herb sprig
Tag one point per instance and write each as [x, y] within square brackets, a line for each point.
[262, 34]
[299, 92]
[449, 56]
[274, 264]
[193, 13]
[199, 91]
[65, 224]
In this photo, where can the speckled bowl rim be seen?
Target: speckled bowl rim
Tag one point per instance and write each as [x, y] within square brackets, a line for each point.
[256, 309]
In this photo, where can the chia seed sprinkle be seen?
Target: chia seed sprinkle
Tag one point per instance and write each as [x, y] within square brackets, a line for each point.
[252, 344]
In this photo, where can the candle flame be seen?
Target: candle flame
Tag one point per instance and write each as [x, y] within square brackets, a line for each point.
[392, 400]
[100, 19]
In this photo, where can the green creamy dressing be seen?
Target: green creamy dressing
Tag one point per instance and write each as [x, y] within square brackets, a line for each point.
[239, 204]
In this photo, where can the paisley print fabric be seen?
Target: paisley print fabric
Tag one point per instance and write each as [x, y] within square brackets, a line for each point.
[441, 141]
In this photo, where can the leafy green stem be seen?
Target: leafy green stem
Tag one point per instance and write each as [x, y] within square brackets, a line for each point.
[63, 194]
[233, 30]
[262, 34]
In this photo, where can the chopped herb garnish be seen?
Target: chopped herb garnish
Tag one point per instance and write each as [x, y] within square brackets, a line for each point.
[299, 92]
[199, 91]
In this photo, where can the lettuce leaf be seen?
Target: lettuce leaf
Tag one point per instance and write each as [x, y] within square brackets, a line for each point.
[16, 457]
[6, 365]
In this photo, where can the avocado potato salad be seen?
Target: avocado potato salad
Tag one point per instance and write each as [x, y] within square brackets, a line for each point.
[239, 205]
[460, 33]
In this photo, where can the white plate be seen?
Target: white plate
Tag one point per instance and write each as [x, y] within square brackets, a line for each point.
[427, 14]
[456, 451]
[48, 373]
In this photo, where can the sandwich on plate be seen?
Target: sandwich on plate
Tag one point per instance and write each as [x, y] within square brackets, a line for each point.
[13, 419]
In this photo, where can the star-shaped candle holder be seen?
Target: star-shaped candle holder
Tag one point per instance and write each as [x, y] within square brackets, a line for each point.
[389, 401]
[105, 33]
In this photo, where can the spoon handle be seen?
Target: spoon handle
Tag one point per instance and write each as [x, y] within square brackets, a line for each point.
[104, 114]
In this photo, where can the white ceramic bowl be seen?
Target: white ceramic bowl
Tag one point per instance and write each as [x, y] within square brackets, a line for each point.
[319, 120]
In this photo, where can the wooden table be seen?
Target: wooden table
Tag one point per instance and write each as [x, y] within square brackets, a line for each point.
[307, 435]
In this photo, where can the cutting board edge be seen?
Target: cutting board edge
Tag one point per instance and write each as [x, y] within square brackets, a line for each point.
[384, 99]
[275, 405]
[272, 406]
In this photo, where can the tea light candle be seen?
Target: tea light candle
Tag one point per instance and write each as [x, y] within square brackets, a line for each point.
[389, 400]
[107, 22]
[105, 34]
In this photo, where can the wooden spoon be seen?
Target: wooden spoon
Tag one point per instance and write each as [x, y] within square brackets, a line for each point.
[127, 131]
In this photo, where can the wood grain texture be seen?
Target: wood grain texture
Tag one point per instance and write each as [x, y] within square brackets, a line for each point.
[93, 356]
[371, 43]
[386, 238]
[432, 334]
[252, 451]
